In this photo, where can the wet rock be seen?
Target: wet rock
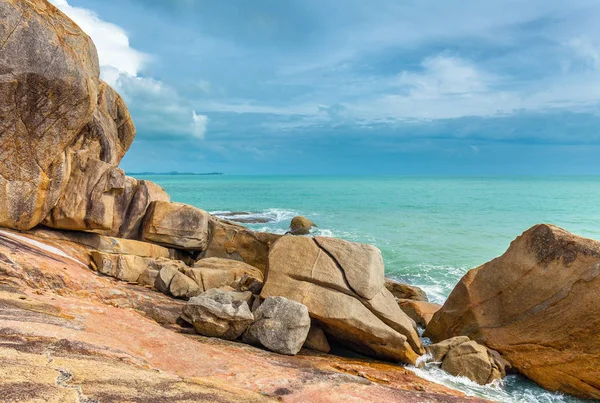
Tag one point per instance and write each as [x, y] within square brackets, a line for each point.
[280, 325]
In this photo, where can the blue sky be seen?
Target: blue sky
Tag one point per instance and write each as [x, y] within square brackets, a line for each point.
[348, 86]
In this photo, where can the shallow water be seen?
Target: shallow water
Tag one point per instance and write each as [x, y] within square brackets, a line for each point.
[431, 230]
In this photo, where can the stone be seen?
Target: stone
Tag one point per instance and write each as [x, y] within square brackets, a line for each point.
[218, 313]
[472, 360]
[146, 192]
[164, 278]
[148, 277]
[182, 286]
[280, 325]
[405, 291]
[123, 267]
[233, 241]
[301, 225]
[248, 283]
[439, 350]
[317, 340]
[419, 311]
[213, 272]
[176, 225]
[334, 284]
[538, 305]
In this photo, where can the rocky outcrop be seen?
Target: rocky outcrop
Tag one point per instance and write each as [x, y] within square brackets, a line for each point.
[405, 291]
[301, 225]
[280, 325]
[176, 225]
[232, 241]
[538, 305]
[218, 313]
[419, 311]
[460, 356]
[341, 284]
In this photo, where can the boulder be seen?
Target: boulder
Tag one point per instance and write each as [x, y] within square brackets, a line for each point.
[123, 267]
[148, 277]
[176, 225]
[439, 350]
[248, 283]
[471, 360]
[405, 291]
[164, 278]
[49, 78]
[218, 313]
[341, 284]
[317, 340]
[216, 272]
[145, 193]
[419, 311]
[182, 286]
[538, 305]
[301, 225]
[232, 241]
[280, 325]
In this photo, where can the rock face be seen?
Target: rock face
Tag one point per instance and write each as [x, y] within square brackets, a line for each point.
[232, 241]
[280, 325]
[419, 311]
[460, 356]
[405, 291]
[341, 284]
[301, 225]
[538, 305]
[218, 313]
[176, 225]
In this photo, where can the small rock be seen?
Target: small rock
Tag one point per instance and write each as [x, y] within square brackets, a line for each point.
[405, 291]
[316, 340]
[248, 283]
[439, 350]
[183, 287]
[218, 313]
[419, 311]
[280, 325]
[301, 225]
[164, 278]
[148, 277]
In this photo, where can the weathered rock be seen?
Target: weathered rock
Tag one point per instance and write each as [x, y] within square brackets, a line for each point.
[405, 291]
[48, 92]
[176, 225]
[317, 340]
[248, 283]
[146, 192]
[419, 311]
[164, 278]
[148, 277]
[124, 267]
[301, 225]
[183, 287]
[215, 272]
[470, 360]
[330, 278]
[439, 350]
[538, 305]
[233, 241]
[280, 325]
[218, 313]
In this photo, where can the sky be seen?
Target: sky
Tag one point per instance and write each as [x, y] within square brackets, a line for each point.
[418, 87]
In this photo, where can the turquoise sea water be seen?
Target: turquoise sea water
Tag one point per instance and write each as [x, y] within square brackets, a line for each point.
[431, 230]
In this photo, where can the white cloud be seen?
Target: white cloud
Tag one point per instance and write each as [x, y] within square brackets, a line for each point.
[120, 65]
[199, 125]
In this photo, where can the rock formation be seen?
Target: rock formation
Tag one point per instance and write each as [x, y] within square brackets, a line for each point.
[342, 285]
[538, 305]
[301, 225]
[419, 311]
[405, 291]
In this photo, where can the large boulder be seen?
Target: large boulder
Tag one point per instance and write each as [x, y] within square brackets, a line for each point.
[538, 305]
[280, 325]
[216, 272]
[232, 241]
[176, 225]
[342, 285]
[218, 313]
[49, 77]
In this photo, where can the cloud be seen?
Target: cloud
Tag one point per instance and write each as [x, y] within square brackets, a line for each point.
[155, 106]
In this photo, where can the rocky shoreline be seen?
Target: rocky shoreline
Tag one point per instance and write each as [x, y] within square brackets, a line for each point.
[111, 292]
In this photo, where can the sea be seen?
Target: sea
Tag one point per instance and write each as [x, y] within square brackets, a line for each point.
[431, 229]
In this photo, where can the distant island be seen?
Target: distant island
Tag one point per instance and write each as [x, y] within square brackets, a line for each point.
[175, 173]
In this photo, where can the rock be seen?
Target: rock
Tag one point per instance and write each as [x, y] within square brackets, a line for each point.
[538, 305]
[233, 241]
[124, 267]
[182, 286]
[301, 225]
[470, 360]
[48, 93]
[405, 291]
[280, 325]
[164, 278]
[176, 225]
[148, 277]
[215, 272]
[218, 314]
[419, 311]
[146, 192]
[439, 350]
[317, 340]
[341, 284]
[248, 283]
